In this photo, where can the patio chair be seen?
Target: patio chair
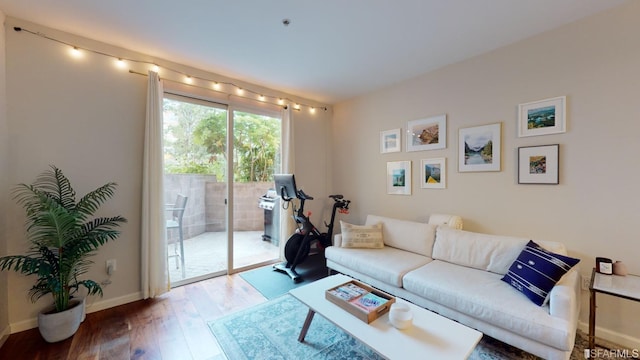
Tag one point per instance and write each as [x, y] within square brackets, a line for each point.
[174, 221]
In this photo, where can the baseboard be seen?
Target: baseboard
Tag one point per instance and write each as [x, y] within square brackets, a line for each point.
[623, 340]
[91, 307]
[4, 335]
[107, 304]
[24, 325]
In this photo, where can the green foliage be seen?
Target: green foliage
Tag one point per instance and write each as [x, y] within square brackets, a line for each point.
[191, 168]
[211, 132]
[61, 236]
[182, 152]
[256, 141]
[196, 142]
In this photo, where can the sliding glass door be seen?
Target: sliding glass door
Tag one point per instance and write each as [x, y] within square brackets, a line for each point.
[256, 157]
[207, 148]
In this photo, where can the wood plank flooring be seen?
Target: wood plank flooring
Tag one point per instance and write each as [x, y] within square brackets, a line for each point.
[172, 326]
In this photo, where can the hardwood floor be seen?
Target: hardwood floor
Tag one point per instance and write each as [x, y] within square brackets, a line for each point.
[172, 326]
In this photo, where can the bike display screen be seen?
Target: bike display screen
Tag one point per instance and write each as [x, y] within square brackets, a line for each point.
[286, 186]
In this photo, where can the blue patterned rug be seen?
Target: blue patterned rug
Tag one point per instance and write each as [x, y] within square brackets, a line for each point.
[270, 331]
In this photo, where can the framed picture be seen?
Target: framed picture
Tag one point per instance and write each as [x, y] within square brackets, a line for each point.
[427, 134]
[390, 141]
[542, 117]
[399, 177]
[538, 164]
[433, 173]
[479, 148]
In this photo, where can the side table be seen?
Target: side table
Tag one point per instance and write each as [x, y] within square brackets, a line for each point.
[626, 287]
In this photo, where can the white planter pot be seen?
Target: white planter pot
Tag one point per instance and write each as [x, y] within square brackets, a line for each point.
[56, 327]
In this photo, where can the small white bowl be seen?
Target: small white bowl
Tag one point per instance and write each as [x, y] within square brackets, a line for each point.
[400, 316]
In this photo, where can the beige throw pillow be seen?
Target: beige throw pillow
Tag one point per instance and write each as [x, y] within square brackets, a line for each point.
[362, 236]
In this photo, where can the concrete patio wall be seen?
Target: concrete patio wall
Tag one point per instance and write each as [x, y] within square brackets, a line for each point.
[205, 210]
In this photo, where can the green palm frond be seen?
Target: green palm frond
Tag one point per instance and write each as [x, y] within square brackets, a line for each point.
[52, 227]
[93, 287]
[43, 287]
[81, 267]
[61, 237]
[23, 264]
[90, 236]
[56, 185]
[48, 266]
[90, 203]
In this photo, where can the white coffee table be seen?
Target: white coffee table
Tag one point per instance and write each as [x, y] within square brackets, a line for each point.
[431, 336]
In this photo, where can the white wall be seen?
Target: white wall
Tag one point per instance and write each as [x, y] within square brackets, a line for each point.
[312, 165]
[593, 210]
[4, 294]
[87, 117]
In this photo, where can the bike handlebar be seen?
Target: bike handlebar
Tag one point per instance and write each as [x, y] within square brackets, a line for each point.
[303, 196]
[340, 201]
[338, 198]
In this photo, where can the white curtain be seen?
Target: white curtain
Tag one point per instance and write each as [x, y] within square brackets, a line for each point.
[155, 275]
[287, 225]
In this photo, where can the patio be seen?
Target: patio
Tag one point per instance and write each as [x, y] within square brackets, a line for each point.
[207, 253]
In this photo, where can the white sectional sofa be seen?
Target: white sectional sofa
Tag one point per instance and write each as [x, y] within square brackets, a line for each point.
[458, 274]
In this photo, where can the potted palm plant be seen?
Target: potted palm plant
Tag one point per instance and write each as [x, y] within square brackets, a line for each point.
[62, 235]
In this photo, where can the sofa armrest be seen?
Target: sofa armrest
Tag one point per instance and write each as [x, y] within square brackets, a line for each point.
[337, 240]
[564, 299]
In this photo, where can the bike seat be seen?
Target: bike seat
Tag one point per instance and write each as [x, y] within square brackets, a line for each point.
[336, 197]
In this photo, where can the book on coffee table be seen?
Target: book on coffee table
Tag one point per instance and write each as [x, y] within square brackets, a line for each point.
[348, 291]
[369, 302]
[360, 300]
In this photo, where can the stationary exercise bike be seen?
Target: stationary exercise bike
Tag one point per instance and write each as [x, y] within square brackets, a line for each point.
[298, 246]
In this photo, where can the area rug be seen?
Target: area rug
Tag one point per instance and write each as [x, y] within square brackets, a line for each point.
[273, 284]
[270, 331]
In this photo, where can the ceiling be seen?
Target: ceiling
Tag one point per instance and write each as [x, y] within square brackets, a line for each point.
[332, 50]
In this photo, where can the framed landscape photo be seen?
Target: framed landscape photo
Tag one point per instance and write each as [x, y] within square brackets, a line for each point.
[399, 177]
[479, 148]
[539, 164]
[390, 141]
[433, 173]
[542, 117]
[427, 134]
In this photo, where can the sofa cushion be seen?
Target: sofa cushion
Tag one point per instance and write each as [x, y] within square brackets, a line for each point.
[536, 271]
[412, 236]
[361, 236]
[388, 264]
[480, 251]
[452, 221]
[481, 295]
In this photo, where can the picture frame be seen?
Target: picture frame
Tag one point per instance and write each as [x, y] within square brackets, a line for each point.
[433, 173]
[399, 177]
[539, 164]
[479, 148]
[427, 134]
[390, 141]
[542, 117]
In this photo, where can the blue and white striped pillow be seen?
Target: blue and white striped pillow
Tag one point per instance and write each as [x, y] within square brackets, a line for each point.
[536, 271]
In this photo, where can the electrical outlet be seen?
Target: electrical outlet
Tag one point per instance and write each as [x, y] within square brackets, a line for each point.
[111, 266]
[586, 282]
